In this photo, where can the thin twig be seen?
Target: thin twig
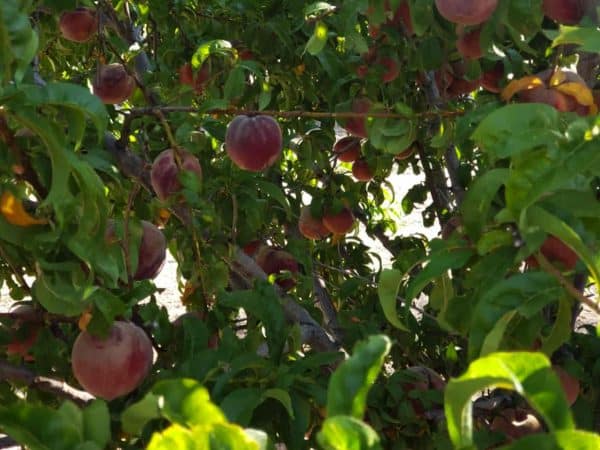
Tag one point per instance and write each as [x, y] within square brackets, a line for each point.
[572, 290]
[288, 114]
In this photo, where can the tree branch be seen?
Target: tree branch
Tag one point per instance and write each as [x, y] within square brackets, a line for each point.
[312, 333]
[326, 306]
[287, 114]
[59, 388]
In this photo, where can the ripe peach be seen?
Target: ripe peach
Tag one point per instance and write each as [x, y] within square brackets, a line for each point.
[551, 97]
[197, 81]
[406, 153]
[164, 175]
[253, 142]
[311, 227]
[490, 80]
[516, 423]
[555, 251]
[469, 44]
[347, 149]
[566, 12]
[362, 70]
[24, 332]
[113, 84]
[357, 126]
[113, 366]
[78, 25]
[392, 69]
[402, 16]
[339, 223]
[152, 252]
[569, 383]
[466, 12]
[274, 261]
[362, 171]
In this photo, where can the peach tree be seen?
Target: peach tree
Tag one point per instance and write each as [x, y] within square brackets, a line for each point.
[261, 144]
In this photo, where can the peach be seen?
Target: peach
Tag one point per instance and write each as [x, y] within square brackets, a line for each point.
[113, 84]
[490, 80]
[164, 175]
[392, 69]
[78, 25]
[569, 383]
[339, 223]
[555, 251]
[152, 251]
[566, 12]
[466, 12]
[357, 126]
[469, 44]
[406, 153]
[274, 261]
[253, 143]
[362, 171]
[197, 81]
[311, 227]
[113, 366]
[347, 149]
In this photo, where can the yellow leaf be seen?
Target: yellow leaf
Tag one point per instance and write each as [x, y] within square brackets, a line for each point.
[558, 77]
[84, 320]
[14, 213]
[529, 82]
[579, 91]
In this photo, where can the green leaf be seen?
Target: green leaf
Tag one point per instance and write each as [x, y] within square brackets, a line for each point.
[351, 382]
[240, 404]
[561, 440]
[516, 128]
[561, 331]
[18, 41]
[282, 397]
[347, 433]
[186, 402]
[276, 193]
[235, 84]
[137, 415]
[263, 303]
[71, 97]
[477, 202]
[214, 47]
[39, 427]
[453, 256]
[525, 293]
[389, 284]
[96, 423]
[527, 373]
[587, 38]
[317, 41]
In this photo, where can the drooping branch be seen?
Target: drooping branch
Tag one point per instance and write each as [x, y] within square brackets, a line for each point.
[312, 333]
[323, 302]
[572, 290]
[59, 388]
